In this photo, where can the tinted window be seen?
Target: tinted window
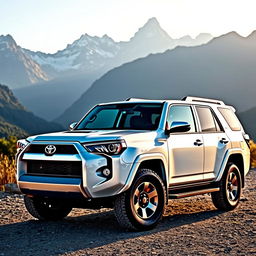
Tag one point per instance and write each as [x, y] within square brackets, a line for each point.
[104, 118]
[230, 118]
[207, 120]
[181, 114]
[123, 116]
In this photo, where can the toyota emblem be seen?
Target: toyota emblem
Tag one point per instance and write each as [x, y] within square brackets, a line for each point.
[50, 150]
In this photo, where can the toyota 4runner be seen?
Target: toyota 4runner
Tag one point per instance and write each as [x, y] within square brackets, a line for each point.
[134, 156]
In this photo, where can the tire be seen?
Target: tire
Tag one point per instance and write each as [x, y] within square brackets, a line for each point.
[142, 206]
[46, 209]
[230, 189]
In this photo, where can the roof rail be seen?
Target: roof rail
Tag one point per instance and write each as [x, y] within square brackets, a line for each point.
[206, 100]
[135, 99]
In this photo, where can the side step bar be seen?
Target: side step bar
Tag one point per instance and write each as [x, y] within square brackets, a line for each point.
[193, 193]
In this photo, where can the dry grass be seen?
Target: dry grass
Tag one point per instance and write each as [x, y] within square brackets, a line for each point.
[253, 154]
[7, 170]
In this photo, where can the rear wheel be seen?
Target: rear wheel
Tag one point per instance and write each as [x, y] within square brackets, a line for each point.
[230, 189]
[46, 209]
[142, 206]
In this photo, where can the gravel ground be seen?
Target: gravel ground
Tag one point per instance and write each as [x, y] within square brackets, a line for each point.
[191, 226]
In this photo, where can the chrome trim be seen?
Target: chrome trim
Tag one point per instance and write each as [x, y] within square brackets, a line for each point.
[56, 157]
[103, 142]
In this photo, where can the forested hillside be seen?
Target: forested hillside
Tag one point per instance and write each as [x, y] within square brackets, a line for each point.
[17, 121]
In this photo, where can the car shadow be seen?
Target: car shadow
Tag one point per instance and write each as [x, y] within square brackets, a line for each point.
[80, 233]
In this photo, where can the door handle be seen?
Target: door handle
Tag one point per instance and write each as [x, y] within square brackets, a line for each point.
[198, 143]
[224, 141]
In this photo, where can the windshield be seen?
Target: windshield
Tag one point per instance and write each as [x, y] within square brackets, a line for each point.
[135, 116]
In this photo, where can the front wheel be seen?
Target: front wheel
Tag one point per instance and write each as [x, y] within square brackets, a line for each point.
[142, 206]
[46, 209]
[230, 189]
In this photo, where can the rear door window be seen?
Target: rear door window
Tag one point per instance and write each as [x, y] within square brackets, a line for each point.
[207, 120]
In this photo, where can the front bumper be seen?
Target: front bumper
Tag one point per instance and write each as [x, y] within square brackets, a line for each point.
[90, 184]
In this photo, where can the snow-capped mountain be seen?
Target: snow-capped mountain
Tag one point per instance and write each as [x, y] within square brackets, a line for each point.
[73, 69]
[150, 38]
[97, 55]
[202, 38]
[16, 68]
[85, 55]
[88, 55]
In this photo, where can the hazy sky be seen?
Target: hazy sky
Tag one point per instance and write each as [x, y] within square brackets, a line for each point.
[49, 25]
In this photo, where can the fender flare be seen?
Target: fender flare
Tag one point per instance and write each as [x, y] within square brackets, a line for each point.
[139, 159]
[224, 163]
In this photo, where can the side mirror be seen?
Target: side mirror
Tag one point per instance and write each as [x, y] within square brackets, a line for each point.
[178, 126]
[72, 126]
[246, 137]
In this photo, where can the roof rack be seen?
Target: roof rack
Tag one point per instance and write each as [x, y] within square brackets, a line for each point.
[205, 100]
[135, 99]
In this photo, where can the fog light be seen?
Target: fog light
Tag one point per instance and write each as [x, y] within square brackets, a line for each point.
[106, 172]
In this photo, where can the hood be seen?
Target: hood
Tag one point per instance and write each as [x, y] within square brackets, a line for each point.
[88, 136]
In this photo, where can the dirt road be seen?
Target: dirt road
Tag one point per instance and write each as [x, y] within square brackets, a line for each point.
[191, 226]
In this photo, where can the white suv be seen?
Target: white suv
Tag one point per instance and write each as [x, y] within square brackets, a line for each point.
[134, 156]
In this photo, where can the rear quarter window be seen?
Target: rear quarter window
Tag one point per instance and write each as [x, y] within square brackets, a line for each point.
[207, 120]
[230, 118]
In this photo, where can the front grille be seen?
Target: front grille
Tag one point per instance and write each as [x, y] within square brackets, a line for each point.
[60, 149]
[55, 168]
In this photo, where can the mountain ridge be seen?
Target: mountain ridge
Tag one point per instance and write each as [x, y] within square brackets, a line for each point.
[248, 119]
[225, 63]
[111, 53]
[87, 59]
[13, 60]
[16, 120]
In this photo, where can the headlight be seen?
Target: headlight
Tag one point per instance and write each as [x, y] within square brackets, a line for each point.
[21, 144]
[109, 148]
